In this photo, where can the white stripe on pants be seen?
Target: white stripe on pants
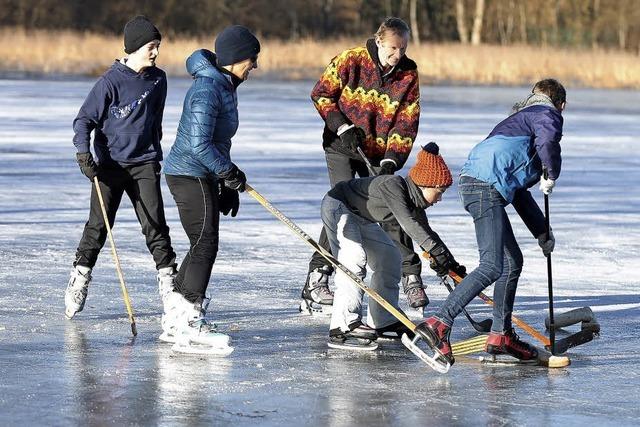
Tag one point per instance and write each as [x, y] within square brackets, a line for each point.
[356, 243]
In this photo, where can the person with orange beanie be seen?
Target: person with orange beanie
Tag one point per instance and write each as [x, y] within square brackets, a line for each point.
[352, 214]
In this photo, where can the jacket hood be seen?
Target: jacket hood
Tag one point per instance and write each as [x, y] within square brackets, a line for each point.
[121, 66]
[201, 63]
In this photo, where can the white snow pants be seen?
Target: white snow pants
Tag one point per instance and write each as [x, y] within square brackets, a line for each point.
[356, 243]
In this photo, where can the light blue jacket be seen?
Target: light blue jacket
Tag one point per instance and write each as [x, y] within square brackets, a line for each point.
[209, 120]
[512, 156]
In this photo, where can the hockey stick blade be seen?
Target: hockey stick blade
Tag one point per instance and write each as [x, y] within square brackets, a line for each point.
[483, 326]
[433, 361]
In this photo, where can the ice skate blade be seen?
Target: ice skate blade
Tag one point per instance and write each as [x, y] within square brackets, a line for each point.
[308, 308]
[69, 314]
[166, 337]
[505, 360]
[434, 361]
[370, 347]
[194, 348]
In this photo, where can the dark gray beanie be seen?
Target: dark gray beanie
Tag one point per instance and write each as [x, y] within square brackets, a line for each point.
[138, 32]
[235, 44]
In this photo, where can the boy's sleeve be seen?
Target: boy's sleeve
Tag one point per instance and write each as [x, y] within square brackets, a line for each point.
[327, 91]
[547, 127]
[204, 110]
[403, 133]
[160, 112]
[413, 221]
[527, 208]
[91, 114]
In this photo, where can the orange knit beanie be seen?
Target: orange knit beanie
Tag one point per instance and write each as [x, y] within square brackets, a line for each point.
[430, 169]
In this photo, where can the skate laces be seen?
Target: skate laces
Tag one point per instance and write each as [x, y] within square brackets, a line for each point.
[514, 341]
[78, 287]
[203, 325]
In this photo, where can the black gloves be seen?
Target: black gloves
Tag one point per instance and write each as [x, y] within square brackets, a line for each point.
[87, 166]
[228, 201]
[442, 261]
[387, 168]
[235, 179]
[349, 141]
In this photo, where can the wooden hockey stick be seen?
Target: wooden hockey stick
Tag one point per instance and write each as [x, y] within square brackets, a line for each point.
[114, 253]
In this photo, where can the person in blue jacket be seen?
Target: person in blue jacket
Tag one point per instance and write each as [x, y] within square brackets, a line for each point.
[124, 111]
[498, 172]
[202, 178]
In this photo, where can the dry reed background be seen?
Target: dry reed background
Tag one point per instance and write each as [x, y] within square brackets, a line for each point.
[72, 53]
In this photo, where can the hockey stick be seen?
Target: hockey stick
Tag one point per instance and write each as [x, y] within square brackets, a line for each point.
[125, 294]
[547, 226]
[482, 326]
[367, 162]
[410, 344]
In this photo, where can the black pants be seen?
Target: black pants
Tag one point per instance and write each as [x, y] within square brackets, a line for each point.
[197, 202]
[342, 168]
[142, 185]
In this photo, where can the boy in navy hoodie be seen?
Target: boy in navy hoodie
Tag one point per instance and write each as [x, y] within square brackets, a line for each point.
[124, 111]
[499, 172]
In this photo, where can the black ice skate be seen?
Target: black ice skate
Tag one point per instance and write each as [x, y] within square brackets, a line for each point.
[316, 296]
[360, 337]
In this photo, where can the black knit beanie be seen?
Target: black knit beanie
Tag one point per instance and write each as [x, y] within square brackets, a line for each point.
[235, 44]
[138, 32]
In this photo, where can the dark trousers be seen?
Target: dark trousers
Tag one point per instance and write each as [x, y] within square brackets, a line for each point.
[197, 202]
[142, 185]
[342, 168]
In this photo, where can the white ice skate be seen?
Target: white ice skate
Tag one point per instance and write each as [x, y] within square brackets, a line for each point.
[202, 337]
[176, 309]
[165, 279]
[173, 311]
[76, 293]
[184, 325]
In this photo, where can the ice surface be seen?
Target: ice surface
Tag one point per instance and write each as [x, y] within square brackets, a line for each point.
[89, 370]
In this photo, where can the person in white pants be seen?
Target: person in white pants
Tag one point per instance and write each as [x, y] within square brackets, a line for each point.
[352, 212]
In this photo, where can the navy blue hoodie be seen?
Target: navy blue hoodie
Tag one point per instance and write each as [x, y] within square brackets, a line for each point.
[124, 109]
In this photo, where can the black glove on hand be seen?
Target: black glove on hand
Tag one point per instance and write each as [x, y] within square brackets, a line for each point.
[442, 261]
[460, 270]
[87, 166]
[349, 141]
[387, 168]
[228, 201]
[235, 179]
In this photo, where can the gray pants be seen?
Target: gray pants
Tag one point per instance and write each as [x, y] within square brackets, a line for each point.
[356, 243]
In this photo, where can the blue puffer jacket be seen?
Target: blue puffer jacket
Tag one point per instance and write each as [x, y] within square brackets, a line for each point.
[512, 156]
[208, 122]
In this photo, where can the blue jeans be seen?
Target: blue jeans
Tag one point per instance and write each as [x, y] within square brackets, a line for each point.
[500, 256]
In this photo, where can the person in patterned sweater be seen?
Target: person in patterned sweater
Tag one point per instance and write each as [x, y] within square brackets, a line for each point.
[368, 97]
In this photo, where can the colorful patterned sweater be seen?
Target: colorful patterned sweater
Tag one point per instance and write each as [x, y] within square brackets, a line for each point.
[352, 90]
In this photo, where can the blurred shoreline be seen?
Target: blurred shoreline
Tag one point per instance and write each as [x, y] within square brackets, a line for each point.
[66, 54]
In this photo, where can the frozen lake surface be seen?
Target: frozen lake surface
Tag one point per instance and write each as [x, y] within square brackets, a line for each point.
[90, 371]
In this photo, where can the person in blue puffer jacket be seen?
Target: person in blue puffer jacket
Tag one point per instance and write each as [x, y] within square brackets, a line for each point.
[498, 172]
[201, 176]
